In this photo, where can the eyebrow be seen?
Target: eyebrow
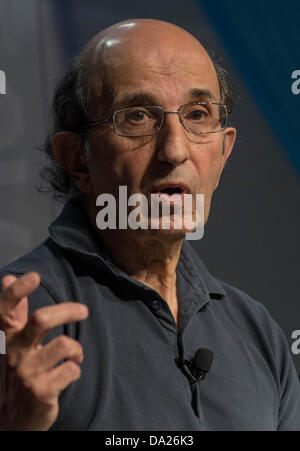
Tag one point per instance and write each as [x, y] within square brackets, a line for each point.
[147, 98]
[204, 94]
[138, 98]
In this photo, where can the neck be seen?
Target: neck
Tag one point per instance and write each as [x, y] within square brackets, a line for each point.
[149, 256]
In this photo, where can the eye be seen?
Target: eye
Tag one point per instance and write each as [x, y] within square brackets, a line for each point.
[196, 114]
[137, 115]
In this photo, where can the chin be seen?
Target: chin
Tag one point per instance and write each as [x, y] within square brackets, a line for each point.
[168, 234]
[170, 231]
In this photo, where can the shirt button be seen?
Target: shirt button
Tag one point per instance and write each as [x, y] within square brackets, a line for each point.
[156, 305]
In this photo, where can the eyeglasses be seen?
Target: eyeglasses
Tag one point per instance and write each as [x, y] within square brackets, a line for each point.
[199, 117]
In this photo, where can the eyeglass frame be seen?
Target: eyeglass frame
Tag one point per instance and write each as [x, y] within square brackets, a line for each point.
[112, 117]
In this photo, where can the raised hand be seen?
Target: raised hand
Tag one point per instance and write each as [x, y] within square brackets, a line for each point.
[30, 379]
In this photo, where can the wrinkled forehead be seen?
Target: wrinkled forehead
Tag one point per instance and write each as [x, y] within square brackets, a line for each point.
[150, 59]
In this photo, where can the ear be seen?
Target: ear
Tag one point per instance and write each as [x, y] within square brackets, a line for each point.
[68, 151]
[229, 138]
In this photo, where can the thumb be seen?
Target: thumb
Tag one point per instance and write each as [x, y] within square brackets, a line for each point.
[7, 281]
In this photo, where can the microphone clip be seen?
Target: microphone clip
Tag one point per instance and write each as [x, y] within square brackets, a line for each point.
[196, 369]
[193, 374]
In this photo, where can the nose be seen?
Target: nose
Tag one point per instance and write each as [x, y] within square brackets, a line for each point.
[172, 144]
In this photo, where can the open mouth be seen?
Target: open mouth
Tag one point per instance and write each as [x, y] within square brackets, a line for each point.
[171, 190]
[170, 193]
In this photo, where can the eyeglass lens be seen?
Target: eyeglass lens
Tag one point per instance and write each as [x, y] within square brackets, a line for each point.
[196, 118]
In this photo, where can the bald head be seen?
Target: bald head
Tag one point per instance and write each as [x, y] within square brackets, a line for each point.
[138, 34]
[132, 45]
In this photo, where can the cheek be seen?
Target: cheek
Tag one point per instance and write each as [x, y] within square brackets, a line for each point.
[207, 161]
[116, 163]
[133, 166]
[104, 167]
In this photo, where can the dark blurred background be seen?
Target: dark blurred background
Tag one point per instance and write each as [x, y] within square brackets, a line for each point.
[251, 239]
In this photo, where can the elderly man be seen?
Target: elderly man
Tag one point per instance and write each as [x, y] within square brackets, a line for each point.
[143, 106]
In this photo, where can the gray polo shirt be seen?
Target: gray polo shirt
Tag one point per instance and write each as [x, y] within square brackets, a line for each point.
[130, 379]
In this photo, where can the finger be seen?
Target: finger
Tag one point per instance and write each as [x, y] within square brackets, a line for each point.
[14, 316]
[59, 378]
[46, 318]
[19, 315]
[17, 290]
[15, 320]
[7, 281]
[58, 349]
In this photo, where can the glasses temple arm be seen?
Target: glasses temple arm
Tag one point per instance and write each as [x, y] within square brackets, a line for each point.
[93, 124]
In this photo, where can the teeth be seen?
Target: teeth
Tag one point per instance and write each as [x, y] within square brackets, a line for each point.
[170, 198]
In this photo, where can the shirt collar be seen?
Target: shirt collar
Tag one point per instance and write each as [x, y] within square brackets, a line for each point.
[195, 269]
[73, 232]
